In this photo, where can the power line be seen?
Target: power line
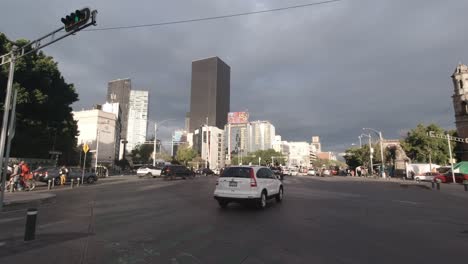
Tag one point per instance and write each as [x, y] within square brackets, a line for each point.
[216, 17]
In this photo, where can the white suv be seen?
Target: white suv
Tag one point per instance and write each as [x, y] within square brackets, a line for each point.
[248, 183]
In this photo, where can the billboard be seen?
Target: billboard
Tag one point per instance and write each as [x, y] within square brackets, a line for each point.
[238, 117]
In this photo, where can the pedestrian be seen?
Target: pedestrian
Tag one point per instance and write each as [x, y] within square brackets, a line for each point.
[359, 171]
[15, 175]
[63, 175]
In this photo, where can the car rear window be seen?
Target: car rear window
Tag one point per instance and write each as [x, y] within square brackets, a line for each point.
[236, 172]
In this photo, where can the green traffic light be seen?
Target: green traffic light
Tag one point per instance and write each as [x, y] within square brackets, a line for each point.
[77, 18]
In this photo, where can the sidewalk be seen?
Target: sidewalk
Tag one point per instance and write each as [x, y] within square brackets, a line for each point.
[22, 200]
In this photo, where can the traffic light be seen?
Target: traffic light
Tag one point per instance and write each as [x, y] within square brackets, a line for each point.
[76, 19]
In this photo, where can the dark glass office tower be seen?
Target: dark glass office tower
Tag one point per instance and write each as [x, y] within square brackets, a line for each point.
[118, 91]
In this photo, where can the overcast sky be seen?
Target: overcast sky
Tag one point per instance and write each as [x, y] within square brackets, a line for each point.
[325, 70]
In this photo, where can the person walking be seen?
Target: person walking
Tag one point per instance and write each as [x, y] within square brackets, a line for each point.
[63, 175]
[15, 175]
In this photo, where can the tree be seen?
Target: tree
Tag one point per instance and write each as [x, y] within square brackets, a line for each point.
[355, 157]
[419, 146]
[142, 153]
[44, 118]
[267, 156]
[185, 154]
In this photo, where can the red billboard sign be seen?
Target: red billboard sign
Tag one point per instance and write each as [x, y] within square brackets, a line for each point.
[238, 117]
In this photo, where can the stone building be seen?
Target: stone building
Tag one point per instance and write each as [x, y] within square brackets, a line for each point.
[460, 104]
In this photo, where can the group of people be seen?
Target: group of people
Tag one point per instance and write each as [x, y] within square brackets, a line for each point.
[20, 172]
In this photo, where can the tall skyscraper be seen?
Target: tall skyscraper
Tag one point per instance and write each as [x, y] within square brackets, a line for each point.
[118, 91]
[137, 118]
[210, 94]
[460, 104]
[262, 135]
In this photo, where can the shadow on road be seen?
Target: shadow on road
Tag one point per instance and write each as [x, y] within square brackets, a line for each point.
[16, 245]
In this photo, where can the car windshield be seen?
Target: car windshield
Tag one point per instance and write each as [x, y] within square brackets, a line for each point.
[236, 172]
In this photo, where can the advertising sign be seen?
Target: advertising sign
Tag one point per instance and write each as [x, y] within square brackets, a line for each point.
[238, 117]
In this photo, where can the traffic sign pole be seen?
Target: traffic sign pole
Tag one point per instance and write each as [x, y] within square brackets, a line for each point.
[85, 149]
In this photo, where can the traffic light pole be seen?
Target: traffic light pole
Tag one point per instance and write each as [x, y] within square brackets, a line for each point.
[11, 58]
[6, 111]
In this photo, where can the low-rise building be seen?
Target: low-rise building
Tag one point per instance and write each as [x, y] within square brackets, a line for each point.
[100, 130]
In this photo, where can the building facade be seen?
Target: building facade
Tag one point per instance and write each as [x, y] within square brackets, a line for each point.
[100, 130]
[208, 142]
[210, 93]
[118, 91]
[137, 118]
[261, 135]
[236, 138]
[460, 104]
[299, 154]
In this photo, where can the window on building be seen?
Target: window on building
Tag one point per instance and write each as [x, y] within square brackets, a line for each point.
[461, 84]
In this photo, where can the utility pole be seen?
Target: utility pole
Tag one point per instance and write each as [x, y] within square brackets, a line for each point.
[370, 156]
[97, 150]
[451, 158]
[154, 146]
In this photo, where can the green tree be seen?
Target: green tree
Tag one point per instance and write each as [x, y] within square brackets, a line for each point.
[142, 153]
[418, 145]
[355, 157]
[44, 118]
[267, 156]
[185, 154]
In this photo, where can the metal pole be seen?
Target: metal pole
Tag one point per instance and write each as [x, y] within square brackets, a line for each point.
[6, 107]
[154, 146]
[84, 167]
[382, 172]
[451, 158]
[97, 151]
[30, 229]
[360, 142]
[370, 156]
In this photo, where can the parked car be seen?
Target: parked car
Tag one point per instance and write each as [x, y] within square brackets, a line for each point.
[278, 171]
[216, 171]
[173, 171]
[293, 172]
[311, 172]
[53, 173]
[428, 176]
[77, 173]
[447, 177]
[149, 171]
[325, 172]
[248, 183]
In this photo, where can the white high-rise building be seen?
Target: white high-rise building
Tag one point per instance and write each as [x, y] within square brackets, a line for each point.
[137, 118]
[261, 135]
[299, 154]
[208, 141]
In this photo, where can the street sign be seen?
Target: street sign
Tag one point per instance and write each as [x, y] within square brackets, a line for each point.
[85, 148]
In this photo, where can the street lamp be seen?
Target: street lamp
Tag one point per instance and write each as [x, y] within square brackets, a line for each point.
[155, 137]
[371, 151]
[259, 159]
[381, 150]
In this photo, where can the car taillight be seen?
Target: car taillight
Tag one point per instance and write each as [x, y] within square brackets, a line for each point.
[253, 181]
[46, 174]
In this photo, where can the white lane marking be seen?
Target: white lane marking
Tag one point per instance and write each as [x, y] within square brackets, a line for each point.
[10, 219]
[2, 244]
[406, 202]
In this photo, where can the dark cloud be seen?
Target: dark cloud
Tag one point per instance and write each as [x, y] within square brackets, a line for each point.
[325, 70]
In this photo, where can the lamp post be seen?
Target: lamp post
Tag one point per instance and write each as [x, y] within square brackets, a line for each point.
[371, 151]
[382, 173]
[259, 159]
[156, 138]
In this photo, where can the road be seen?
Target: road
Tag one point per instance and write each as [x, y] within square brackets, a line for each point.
[320, 221]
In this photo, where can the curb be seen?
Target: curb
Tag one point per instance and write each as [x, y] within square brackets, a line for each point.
[21, 205]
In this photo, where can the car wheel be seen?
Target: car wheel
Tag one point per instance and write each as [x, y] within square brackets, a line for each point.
[223, 204]
[417, 179]
[149, 174]
[279, 196]
[262, 201]
[57, 181]
[90, 180]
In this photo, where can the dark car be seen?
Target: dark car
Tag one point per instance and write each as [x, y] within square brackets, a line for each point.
[173, 171]
[53, 173]
[278, 171]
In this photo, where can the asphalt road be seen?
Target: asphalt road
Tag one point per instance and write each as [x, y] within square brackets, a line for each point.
[320, 221]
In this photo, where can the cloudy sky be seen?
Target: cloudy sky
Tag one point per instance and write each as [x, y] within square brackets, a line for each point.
[325, 70]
